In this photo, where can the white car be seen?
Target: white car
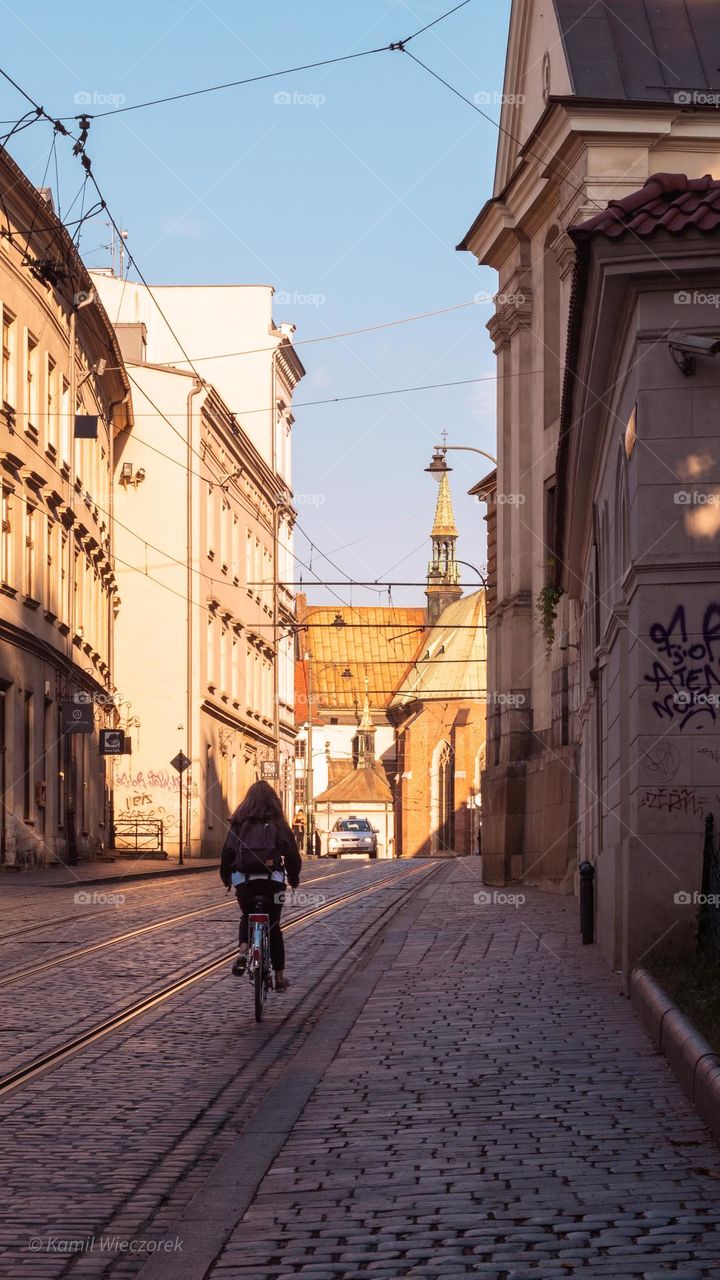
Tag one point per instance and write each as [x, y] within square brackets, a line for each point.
[352, 835]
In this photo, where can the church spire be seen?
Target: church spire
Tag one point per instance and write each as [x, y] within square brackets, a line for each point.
[443, 577]
[366, 735]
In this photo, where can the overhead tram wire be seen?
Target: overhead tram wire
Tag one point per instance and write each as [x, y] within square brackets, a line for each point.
[269, 75]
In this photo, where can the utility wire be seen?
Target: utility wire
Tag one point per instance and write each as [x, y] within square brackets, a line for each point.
[329, 337]
[269, 75]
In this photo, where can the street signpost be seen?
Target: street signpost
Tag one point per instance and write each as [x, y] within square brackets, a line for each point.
[180, 762]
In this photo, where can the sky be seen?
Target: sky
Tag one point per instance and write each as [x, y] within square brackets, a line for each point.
[346, 187]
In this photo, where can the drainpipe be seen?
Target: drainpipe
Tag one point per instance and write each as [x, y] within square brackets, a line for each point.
[276, 572]
[197, 387]
[114, 404]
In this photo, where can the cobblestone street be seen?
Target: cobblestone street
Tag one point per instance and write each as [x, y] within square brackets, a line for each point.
[496, 1111]
[453, 1087]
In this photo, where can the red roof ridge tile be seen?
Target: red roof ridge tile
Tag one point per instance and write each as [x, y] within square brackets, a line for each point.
[668, 201]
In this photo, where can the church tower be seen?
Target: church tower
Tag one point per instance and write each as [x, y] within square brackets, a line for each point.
[443, 577]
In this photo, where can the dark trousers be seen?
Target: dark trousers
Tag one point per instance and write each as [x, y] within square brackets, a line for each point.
[267, 892]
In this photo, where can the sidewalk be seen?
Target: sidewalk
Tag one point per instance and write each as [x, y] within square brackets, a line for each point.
[103, 871]
[496, 1111]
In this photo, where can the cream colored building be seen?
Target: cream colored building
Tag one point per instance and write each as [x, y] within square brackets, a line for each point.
[204, 518]
[585, 119]
[58, 593]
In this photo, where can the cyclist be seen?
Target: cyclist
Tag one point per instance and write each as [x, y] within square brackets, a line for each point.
[259, 837]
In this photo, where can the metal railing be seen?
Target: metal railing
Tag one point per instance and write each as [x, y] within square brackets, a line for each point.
[709, 917]
[140, 834]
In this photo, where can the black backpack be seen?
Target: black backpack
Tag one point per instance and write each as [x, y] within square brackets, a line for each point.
[256, 848]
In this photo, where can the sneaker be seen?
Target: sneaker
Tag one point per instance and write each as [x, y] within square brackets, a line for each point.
[239, 966]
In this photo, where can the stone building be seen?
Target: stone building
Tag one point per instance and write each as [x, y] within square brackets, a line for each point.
[204, 514]
[439, 709]
[637, 545]
[64, 401]
[596, 98]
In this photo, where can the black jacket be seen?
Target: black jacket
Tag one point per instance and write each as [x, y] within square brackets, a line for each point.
[285, 846]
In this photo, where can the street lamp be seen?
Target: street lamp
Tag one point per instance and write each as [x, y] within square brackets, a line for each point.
[438, 465]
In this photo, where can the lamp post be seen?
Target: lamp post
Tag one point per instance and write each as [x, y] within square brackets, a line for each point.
[438, 464]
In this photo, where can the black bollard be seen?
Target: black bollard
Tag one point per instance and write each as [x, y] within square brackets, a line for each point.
[587, 902]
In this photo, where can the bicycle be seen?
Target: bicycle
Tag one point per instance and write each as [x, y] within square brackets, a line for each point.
[258, 965]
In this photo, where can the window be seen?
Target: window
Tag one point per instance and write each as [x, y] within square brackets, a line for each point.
[224, 535]
[31, 384]
[30, 568]
[211, 651]
[65, 421]
[6, 545]
[51, 404]
[210, 523]
[28, 756]
[236, 549]
[9, 384]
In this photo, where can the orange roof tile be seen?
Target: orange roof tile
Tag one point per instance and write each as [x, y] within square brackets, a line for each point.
[377, 643]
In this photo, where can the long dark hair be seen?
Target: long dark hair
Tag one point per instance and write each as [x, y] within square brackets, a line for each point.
[261, 804]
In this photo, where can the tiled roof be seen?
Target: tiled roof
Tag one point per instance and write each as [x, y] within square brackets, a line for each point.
[363, 786]
[377, 643]
[661, 51]
[668, 201]
[451, 660]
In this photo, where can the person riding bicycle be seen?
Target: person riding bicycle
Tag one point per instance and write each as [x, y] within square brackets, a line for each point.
[259, 851]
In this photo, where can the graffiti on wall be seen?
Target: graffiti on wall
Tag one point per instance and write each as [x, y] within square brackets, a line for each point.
[137, 796]
[685, 676]
[682, 800]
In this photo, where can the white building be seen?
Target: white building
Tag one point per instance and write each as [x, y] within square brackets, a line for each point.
[204, 542]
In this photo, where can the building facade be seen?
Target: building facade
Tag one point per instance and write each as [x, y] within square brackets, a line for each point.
[64, 401]
[204, 519]
[583, 122]
[343, 656]
[439, 709]
[638, 552]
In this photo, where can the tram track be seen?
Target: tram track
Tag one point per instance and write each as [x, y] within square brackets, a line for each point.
[54, 1057]
[19, 974]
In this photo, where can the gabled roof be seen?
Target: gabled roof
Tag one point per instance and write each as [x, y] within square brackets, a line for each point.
[360, 786]
[451, 660]
[668, 201]
[632, 50]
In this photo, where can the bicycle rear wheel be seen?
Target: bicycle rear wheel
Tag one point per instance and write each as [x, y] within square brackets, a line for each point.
[259, 992]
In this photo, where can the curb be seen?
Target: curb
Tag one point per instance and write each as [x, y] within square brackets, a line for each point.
[691, 1059]
[118, 878]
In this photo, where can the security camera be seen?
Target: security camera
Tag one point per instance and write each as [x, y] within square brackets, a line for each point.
[685, 347]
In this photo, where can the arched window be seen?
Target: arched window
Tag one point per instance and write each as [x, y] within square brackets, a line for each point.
[443, 798]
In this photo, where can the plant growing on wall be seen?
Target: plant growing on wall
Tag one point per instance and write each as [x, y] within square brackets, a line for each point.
[548, 599]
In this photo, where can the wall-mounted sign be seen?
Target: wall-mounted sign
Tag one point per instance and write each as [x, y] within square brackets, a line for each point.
[269, 769]
[112, 742]
[77, 717]
[86, 426]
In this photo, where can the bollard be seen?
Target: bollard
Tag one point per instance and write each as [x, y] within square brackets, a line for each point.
[587, 902]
